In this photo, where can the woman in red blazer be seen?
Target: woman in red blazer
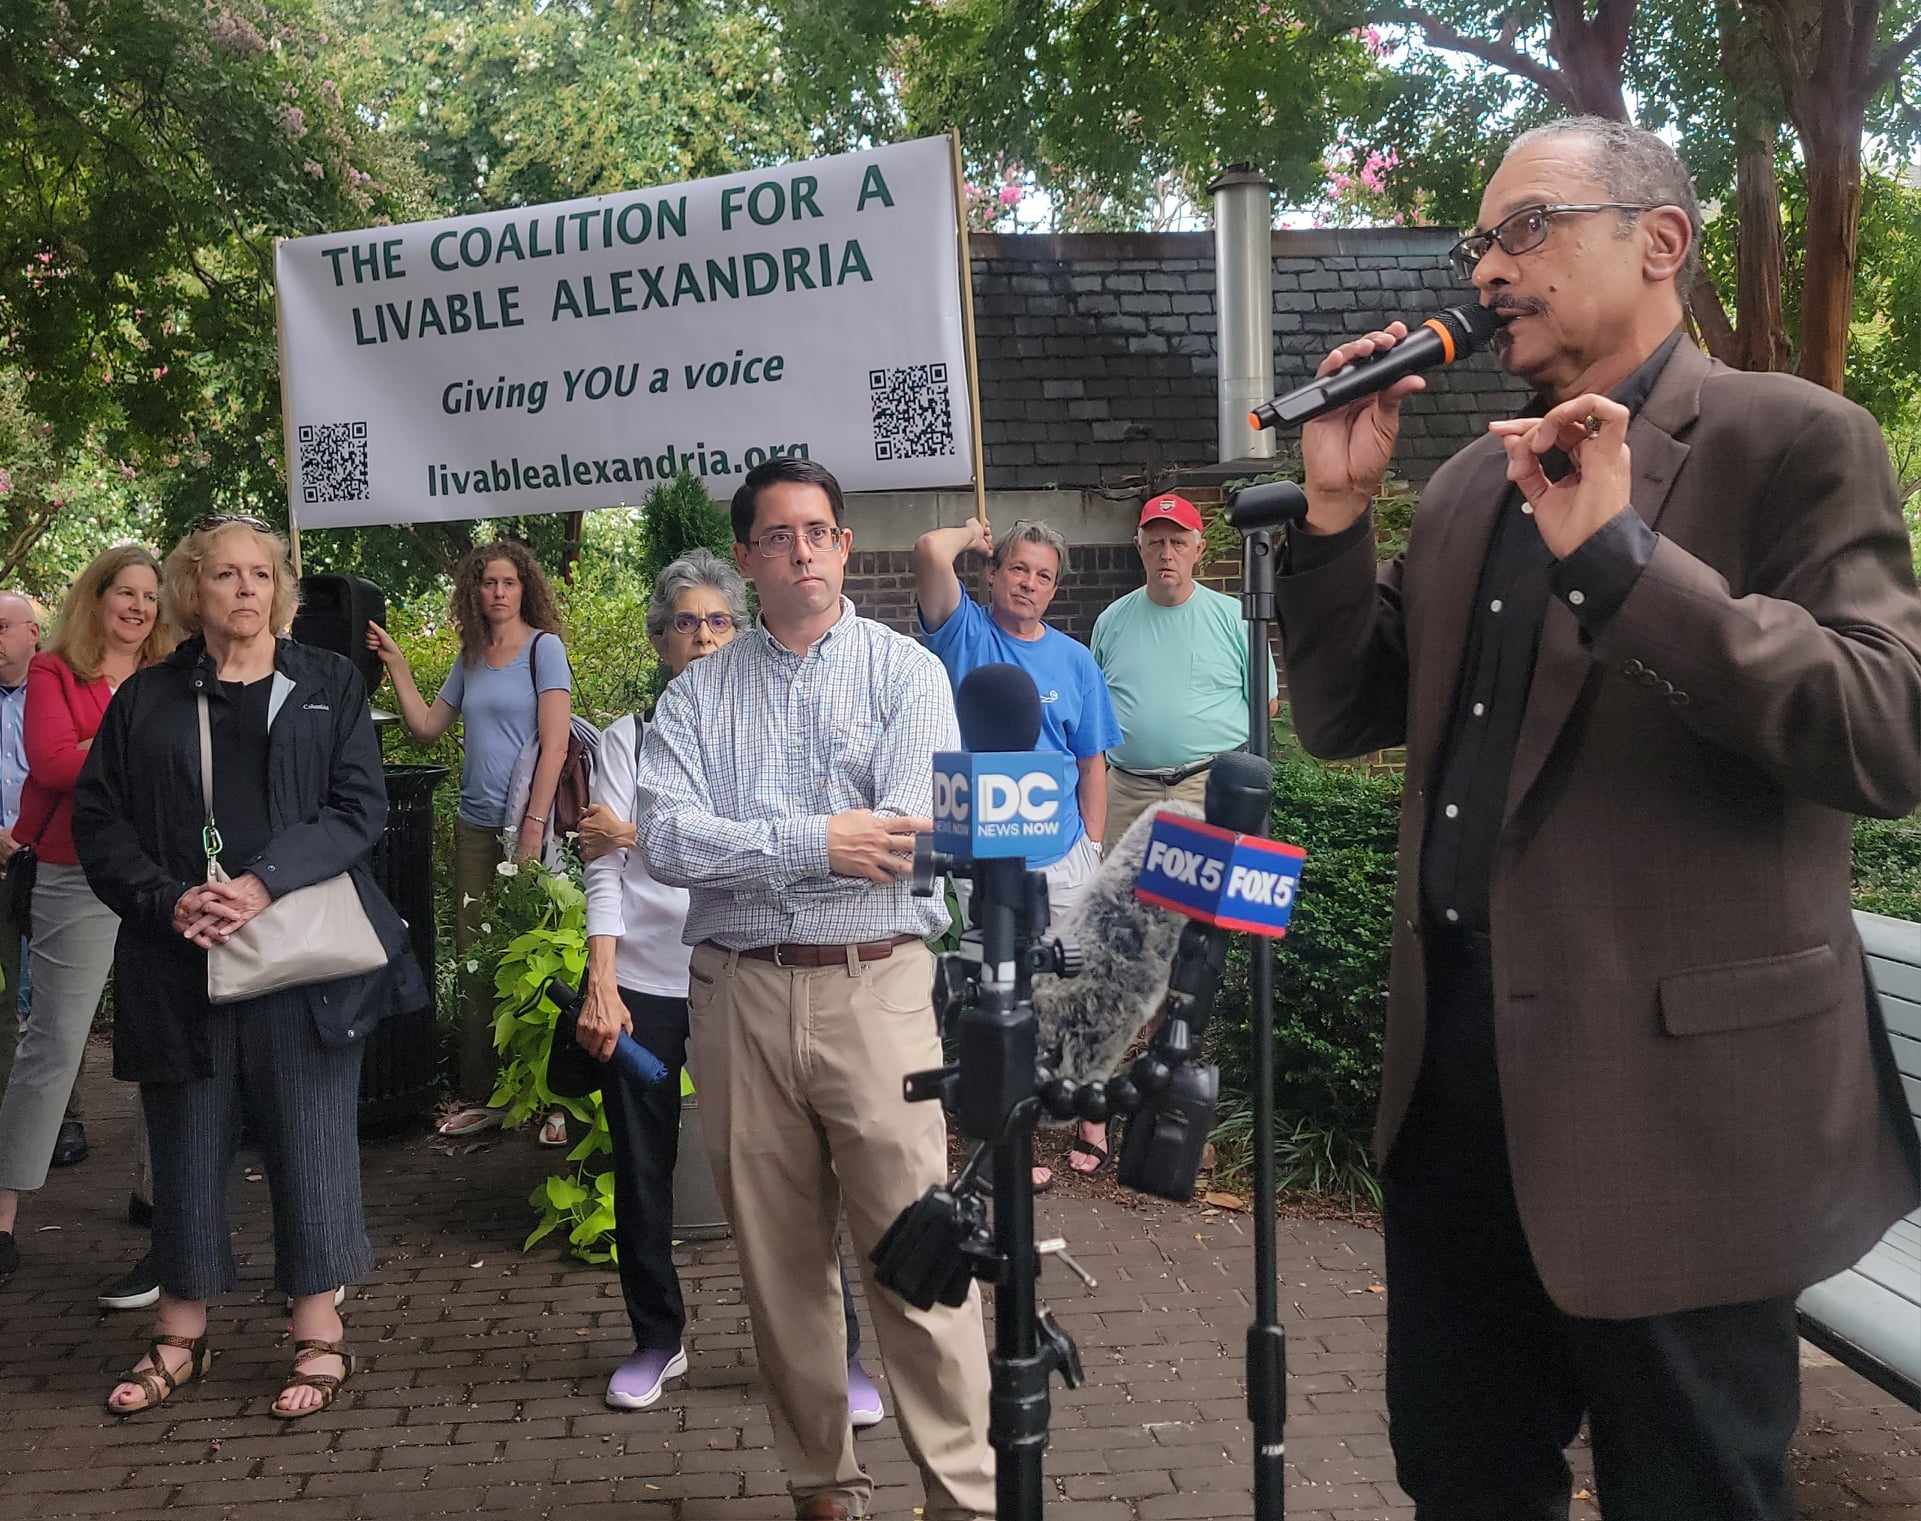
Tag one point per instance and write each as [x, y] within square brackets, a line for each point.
[109, 627]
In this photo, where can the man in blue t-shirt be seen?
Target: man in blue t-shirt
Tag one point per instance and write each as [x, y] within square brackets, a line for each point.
[1077, 716]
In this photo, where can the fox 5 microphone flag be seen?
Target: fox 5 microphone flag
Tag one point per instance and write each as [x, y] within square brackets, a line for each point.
[1232, 881]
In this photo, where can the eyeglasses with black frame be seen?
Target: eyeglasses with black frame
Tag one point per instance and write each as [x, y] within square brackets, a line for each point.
[780, 541]
[1523, 231]
[688, 623]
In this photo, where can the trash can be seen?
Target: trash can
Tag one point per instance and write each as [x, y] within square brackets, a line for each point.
[698, 1215]
[397, 1074]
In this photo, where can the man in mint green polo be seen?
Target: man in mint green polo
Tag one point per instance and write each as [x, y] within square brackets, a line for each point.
[1175, 657]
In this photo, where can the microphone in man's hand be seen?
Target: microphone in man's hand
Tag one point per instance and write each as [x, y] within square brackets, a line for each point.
[1448, 335]
[1127, 946]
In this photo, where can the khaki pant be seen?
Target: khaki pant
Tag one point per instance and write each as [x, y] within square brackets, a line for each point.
[476, 1065]
[1129, 796]
[800, 1080]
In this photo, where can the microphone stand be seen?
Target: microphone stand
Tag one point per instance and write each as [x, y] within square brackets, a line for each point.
[1255, 511]
[999, 1039]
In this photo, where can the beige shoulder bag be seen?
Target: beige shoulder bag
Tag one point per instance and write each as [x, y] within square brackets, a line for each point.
[313, 934]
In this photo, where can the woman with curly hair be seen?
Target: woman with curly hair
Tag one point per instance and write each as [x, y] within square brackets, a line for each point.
[511, 685]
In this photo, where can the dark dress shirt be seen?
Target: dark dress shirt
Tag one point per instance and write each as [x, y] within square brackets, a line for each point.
[1470, 781]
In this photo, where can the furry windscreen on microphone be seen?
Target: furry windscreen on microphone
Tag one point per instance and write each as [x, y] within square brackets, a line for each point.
[1129, 948]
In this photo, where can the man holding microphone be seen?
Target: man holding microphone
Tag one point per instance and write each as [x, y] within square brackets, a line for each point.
[1648, 648]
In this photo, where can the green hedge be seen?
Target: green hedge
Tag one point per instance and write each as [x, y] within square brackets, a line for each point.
[1330, 973]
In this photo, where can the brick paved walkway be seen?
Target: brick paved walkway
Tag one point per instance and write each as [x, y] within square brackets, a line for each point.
[481, 1387]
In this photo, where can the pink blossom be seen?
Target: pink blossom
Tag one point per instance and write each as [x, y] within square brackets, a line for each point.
[160, 372]
[1010, 195]
[127, 472]
[6, 482]
[313, 169]
[237, 35]
[293, 122]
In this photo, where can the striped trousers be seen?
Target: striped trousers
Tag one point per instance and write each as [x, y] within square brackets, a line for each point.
[302, 1098]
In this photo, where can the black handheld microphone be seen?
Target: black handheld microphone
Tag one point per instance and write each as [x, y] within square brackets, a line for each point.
[1448, 335]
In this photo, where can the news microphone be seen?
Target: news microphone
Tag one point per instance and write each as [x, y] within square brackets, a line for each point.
[1000, 798]
[1256, 507]
[1448, 335]
[1127, 947]
[999, 708]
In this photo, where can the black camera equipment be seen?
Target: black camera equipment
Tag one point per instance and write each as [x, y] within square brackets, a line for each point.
[942, 1241]
[1169, 1095]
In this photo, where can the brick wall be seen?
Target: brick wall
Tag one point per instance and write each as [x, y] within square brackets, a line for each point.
[1098, 370]
[1097, 352]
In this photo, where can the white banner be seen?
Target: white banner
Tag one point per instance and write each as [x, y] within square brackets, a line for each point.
[569, 356]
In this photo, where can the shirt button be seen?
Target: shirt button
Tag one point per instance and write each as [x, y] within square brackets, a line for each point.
[1452, 811]
[1576, 598]
[1494, 606]
[1452, 915]
[1479, 709]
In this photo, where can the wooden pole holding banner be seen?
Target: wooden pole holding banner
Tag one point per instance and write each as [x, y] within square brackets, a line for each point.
[286, 421]
[967, 328]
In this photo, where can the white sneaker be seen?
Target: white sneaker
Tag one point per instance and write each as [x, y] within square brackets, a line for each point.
[637, 1383]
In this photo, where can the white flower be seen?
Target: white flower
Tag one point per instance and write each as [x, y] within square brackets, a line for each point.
[472, 966]
[507, 869]
[486, 928]
[466, 898]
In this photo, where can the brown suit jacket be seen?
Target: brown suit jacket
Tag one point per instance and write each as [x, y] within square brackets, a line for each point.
[1699, 1093]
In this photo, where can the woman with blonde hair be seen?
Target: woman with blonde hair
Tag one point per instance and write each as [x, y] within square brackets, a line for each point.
[109, 627]
[298, 799]
[510, 686]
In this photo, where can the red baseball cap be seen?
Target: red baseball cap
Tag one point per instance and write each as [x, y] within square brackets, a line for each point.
[1171, 509]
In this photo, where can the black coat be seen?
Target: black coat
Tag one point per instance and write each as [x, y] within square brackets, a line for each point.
[137, 820]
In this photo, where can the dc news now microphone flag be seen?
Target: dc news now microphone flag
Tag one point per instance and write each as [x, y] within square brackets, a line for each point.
[1000, 797]
[1448, 335]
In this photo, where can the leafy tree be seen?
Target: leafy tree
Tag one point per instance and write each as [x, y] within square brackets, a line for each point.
[1107, 104]
[150, 152]
[1770, 92]
[517, 102]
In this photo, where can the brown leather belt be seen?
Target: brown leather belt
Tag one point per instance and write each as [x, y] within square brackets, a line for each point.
[791, 954]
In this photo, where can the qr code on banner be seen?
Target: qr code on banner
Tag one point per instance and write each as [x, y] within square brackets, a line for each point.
[913, 412]
[333, 462]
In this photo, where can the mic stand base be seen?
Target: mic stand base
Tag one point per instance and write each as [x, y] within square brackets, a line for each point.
[1019, 1407]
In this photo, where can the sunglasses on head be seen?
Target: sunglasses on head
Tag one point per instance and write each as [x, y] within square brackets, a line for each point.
[227, 519]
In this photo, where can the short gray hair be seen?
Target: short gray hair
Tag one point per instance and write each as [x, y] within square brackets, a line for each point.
[1031, 533]
[696, 568]
[1635, 166]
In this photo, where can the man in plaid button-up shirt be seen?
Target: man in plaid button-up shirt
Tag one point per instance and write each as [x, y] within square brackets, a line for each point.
[783, 780]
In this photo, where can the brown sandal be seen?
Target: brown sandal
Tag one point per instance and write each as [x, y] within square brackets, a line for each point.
[159, 1382]
[327, 1383]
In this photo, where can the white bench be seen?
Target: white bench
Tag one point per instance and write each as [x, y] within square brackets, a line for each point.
[1869, 1317]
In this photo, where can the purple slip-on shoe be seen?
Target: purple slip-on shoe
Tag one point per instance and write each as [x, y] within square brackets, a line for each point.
[864, 1407]
[636, 1383]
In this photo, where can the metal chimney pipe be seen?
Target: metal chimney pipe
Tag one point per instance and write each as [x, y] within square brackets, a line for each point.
[1244, 301]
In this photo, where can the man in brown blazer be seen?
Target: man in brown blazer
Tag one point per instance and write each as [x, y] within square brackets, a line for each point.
[1648, 649]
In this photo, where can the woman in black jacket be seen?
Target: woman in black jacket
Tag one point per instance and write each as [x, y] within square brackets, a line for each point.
[299, 796]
